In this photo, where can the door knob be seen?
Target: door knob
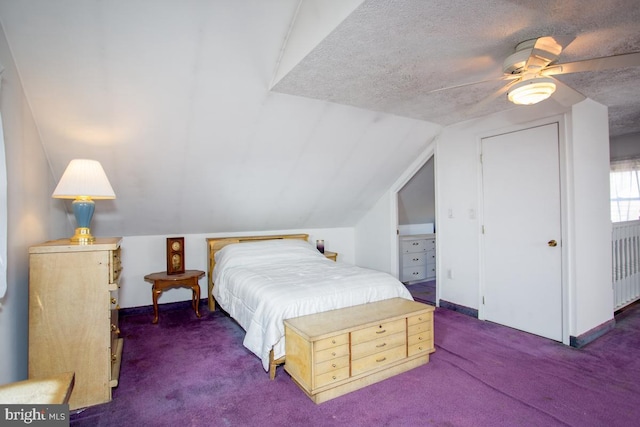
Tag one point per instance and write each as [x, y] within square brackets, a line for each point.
[552, 243]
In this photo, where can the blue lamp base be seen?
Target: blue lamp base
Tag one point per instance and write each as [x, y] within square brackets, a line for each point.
[83, 208]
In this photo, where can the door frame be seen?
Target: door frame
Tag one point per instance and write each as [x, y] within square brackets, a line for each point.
[565, 207]
[420, 161]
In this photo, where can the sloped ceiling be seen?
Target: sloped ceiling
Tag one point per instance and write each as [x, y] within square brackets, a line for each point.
[223, 116]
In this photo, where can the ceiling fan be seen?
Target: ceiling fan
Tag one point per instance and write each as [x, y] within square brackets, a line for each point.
[531, 67]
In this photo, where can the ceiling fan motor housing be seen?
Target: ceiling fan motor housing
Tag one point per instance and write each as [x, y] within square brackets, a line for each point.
[514, 64]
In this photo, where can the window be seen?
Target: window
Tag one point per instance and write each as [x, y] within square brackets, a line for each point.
[625, 190]
[3, 216]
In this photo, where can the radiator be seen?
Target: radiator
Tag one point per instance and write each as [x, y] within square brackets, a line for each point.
[625, 248]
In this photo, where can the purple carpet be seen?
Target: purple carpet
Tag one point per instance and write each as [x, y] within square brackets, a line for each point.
[195, 372]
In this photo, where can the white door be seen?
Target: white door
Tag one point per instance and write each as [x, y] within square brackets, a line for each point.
[521, 241]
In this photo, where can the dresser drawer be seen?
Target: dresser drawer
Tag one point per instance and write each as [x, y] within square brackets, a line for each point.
[410, 260]
[332, 365]
[374, 346]
[377, 360]
[115, 266]
[331, 377]
[331, 353]
[410, 274]
[323, 344]
[409, 246]
[378, 331]
[430, 244]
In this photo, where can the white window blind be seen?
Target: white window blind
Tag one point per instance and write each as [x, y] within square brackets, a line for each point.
[625, 190]
[3, 215]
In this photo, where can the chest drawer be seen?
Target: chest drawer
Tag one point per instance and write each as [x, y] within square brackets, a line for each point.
[374, 346]
[378, 331]
[377, 360]
[332, 364]
[419, 344]
[420, 318]
[331, 353]
[335, 341]
[332, 376]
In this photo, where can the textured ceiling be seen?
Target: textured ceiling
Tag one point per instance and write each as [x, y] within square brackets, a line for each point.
[390, 55]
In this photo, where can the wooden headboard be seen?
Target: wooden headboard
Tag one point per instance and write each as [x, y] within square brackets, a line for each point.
[214, 244]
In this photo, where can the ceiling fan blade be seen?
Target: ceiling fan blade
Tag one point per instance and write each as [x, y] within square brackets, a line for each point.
[546, 50]
[565, 95]
[595, 64]
[505, 77]
[485, 101]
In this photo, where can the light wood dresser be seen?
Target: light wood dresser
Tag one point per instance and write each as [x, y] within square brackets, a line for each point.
[336, 352]
[73, 316]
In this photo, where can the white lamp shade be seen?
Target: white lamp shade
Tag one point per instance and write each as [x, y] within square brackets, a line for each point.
[532, 91]
[84, 178]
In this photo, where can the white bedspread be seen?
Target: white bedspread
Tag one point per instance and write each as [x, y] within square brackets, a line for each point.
[260, 284]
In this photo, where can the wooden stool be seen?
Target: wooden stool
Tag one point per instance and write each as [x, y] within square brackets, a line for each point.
[52, 390]
[162, 281]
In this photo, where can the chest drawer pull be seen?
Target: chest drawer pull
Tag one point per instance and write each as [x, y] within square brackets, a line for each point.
[381, 360]
[381, 332]
[381, 345]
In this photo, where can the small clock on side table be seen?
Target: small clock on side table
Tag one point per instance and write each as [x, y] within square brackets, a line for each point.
[175, 255]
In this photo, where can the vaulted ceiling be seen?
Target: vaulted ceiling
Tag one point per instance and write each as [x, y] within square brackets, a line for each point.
[221, 116]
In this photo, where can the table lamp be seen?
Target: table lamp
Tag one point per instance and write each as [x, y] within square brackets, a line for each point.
[83, 181]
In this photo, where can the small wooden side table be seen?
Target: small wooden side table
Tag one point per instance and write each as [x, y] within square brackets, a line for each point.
[162, 281]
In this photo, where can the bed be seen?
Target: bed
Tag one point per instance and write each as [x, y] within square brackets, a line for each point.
[260, 281]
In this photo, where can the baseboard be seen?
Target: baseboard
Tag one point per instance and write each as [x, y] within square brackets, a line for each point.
[592, 334]
[459, 308]
[148, 309]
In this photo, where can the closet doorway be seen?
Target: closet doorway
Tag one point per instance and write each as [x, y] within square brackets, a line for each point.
[417, 234]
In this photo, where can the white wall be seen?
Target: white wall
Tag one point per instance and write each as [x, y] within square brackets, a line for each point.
[625, 146]
[592, 299]
[457, 195]
[376, 232]
[33, 216]
[142, 255]
[416, 200]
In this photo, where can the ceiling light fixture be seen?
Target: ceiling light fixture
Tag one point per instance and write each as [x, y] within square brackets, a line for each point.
[531, 91]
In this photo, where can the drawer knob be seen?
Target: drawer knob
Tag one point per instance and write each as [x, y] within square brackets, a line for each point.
[333, 353]
[334, 377]
[333, 365]
[333, 341]
[113, 301]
